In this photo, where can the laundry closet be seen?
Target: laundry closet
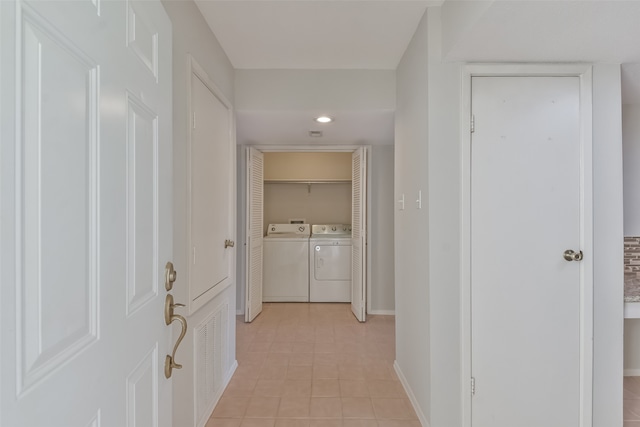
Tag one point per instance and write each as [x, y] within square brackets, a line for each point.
[302, 246]
[307, 214]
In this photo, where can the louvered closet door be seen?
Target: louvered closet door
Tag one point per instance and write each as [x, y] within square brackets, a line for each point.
[358, 232]
[255, 178]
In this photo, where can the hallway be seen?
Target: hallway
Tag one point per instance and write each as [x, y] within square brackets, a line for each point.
[314, 365]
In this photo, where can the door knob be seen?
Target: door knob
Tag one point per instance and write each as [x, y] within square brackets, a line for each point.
[570, 255]
[229, 243]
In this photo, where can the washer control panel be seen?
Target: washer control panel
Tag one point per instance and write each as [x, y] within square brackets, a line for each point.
[288, 229]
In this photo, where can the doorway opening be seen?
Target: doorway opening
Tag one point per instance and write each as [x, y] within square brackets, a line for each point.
[319, 185]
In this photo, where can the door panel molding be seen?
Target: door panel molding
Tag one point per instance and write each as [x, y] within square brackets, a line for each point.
[584, 73]
[40, 349]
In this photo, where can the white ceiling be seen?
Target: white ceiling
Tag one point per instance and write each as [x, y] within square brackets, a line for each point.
[313, 34]
[365, 34]
[292, 128]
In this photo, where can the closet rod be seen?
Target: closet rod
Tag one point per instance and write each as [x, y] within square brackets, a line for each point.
[268, 181]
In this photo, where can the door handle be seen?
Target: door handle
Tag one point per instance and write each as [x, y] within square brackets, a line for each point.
[229, 243]
[168, 309]
[170, 317]
[570, 255]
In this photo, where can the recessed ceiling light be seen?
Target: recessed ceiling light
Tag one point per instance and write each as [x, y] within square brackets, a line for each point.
[324, 119]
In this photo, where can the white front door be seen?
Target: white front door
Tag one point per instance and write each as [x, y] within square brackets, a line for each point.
[85, 213]
[526, 211]
[359, 233]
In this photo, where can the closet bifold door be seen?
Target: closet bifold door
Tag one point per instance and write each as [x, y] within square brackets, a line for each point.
[255, 198]
[358, 233]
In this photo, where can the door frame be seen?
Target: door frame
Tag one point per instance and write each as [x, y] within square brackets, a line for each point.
[584, 73]
[242, 210]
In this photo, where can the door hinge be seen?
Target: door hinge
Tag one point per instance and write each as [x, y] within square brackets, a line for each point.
[473, 386]
[194, 120]
[473, 123]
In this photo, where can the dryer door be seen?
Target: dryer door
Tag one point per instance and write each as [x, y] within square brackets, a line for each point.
[332, 262]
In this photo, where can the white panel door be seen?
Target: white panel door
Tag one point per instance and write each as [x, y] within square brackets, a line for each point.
[255, 237]
[526, 210]
[85, 220]
[359, 233]
[210, 191]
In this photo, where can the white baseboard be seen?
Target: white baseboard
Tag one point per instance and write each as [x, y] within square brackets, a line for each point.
[632, 372]
[218, 395]
[412, 397]
[374, 312]
[382, 312]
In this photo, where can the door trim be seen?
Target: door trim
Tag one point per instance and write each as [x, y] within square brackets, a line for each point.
[242, 210]
[584, 73]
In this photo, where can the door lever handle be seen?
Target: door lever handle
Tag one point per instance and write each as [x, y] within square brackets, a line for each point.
[168, 309]
[170, 317]
[170, 361]
[570, 255]
[229, 243]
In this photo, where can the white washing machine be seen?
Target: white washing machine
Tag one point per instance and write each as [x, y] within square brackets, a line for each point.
[286, 263]
[330, 263]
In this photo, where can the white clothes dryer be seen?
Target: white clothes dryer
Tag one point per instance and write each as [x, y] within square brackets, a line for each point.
[330, 263]
[286, 263]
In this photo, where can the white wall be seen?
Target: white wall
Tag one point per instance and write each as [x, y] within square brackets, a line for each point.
[317, 203]
[444, 229]
[413, 324]
[382, 293]
[290, 90]
[192, 35]
[631, 157]
[320, 204]
[457, 18]
[608, 249]
[632, 347]
[428, 276]
[307, 166]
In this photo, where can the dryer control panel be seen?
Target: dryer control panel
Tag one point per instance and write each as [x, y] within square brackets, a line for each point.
[331, 229]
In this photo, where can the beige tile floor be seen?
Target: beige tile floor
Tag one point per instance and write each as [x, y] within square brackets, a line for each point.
[631, 402]
[314, 365]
